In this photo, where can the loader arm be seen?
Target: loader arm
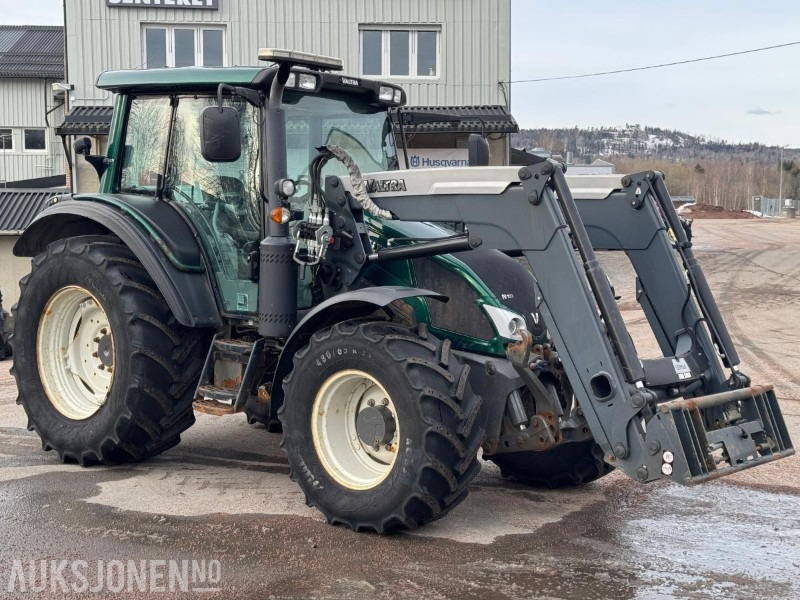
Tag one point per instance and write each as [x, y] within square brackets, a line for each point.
[679, 415]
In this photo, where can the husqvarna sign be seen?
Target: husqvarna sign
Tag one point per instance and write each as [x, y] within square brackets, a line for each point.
[428, 158]
[211, 4]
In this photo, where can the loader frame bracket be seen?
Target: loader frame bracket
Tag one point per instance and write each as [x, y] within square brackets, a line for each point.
[618, 399]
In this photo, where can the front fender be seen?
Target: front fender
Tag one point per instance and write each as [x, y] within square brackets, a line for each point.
[155, 233]
[350, 305]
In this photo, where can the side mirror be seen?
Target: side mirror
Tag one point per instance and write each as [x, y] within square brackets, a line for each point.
[478, 149]
[220, 137]
[83, 146]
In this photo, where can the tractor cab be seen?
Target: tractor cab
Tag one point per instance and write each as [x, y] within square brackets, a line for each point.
[171, 143]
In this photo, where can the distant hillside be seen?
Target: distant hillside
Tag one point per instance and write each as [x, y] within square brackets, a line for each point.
[714, 171]
[640, 141]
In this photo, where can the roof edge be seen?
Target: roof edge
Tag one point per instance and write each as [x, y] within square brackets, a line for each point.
[132, 79]
[34, 27]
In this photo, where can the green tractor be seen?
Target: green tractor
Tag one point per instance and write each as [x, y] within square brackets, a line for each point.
[255, 248]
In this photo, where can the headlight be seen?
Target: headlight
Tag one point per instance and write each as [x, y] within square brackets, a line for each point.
[292, 80]
[398, 96]
[506, 323]
[385, 93]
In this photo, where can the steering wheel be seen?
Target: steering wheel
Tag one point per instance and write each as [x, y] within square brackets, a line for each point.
[232, 199]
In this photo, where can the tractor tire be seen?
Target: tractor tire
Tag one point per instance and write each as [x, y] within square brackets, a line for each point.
[104, 371]
[565, 465]
[259, 414]
[405, 391]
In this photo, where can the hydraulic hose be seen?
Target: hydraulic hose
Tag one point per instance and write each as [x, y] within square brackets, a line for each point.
[359, 185]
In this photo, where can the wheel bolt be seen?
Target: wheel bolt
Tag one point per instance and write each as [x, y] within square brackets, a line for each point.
[385, 402]
[97, 340]
[102, 367]
[94, 355]
[104, 331]
[370, 402]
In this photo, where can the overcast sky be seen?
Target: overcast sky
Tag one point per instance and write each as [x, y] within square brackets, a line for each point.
[745, 98]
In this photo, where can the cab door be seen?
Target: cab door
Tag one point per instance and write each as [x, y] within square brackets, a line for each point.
[223, 200]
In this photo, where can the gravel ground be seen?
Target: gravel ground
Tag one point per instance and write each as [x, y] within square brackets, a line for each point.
[224, 495]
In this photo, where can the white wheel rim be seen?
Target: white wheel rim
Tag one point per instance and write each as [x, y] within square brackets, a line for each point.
[349, 461]
[75, 353]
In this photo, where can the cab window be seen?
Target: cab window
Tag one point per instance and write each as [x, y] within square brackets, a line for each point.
[145, 145]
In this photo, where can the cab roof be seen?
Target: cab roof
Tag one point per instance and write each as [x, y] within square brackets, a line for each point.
[139, 79]
[174, 79]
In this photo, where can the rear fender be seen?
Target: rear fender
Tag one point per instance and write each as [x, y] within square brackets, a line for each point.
[158, 236]
[344, 307]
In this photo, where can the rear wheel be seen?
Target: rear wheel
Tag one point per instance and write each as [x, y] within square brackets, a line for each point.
[258, 413]
[379, 426]
[567, 464]
[104, 371]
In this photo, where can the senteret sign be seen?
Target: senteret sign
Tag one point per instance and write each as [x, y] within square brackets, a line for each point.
[212, 4]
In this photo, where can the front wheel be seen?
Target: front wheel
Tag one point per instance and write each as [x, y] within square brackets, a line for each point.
[567, 464]
[379, 426]
[105, 373]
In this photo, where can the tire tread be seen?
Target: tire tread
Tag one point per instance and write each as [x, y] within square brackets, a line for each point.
[565, 465]
[434, 375]
[154, 413]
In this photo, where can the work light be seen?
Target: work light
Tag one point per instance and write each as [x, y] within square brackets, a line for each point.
[285, 187]
[386, 93]
[306, 81]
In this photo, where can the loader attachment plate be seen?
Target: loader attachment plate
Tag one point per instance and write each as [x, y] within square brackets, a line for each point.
[712, 436]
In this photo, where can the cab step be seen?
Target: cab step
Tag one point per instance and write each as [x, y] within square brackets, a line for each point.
[712, 436]
[229, 376]
[211, 402]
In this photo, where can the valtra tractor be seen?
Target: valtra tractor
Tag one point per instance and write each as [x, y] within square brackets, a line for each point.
[254, 248]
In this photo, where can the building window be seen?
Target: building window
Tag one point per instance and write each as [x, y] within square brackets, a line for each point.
[166, 46]
[395, 52]
[6, 140]
[34, 140]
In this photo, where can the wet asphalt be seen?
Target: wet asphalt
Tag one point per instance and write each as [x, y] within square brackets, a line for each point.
[224, 495]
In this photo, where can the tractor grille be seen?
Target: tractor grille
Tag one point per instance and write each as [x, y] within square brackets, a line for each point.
[461, 314]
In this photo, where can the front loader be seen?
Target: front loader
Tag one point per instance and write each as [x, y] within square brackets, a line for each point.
[254, 248]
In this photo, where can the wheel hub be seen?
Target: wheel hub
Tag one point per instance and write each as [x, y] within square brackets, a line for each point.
[355, 429]
[105, 351]
[75, 352]
[375, 425]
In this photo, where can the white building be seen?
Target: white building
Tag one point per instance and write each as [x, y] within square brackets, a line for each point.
[445, 53]
[31, 62]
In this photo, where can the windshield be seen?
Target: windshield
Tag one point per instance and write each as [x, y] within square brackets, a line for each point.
[344, 120]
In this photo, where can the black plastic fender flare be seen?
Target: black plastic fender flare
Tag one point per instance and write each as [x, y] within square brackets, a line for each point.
[185, 287]
[343, 307]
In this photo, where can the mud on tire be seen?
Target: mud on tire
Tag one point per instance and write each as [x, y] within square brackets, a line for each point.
[156, 360]
[436, 416]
